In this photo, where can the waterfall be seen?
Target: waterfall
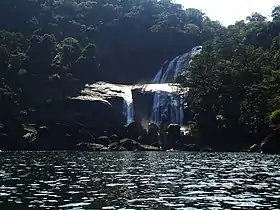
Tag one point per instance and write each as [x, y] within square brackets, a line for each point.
[128, 109]
[168, 106]
[128, 112]
[167, 102]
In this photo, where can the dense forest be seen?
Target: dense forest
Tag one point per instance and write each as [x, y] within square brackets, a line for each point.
[234, 95]
[51, 48]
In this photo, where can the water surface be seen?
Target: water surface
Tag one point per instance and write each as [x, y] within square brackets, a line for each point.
[127, 180]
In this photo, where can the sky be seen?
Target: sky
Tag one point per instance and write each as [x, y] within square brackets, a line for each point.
[230, 11]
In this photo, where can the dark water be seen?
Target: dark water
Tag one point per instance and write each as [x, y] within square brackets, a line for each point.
[156, 180]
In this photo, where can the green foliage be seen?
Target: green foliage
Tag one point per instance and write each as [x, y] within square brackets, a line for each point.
[274, 117]
[70, 50]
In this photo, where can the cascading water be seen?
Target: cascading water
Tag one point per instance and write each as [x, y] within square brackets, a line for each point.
[128, 112]
[128, 109]
[167, 103]
[167, 106]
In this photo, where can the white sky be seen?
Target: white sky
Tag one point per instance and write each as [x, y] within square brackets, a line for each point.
[230, 11]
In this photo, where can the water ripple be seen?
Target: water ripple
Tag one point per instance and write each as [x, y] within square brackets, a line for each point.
[155, 180]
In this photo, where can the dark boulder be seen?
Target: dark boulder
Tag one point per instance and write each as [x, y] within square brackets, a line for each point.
[173, 132]
[134, 130]
[153, 135]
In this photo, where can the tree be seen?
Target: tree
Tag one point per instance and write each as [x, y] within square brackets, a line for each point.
[256, 17]
[69, 51]
[276, 13]
[204, 90]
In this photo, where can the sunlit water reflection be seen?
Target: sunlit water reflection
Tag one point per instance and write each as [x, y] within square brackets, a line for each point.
[155, 180]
